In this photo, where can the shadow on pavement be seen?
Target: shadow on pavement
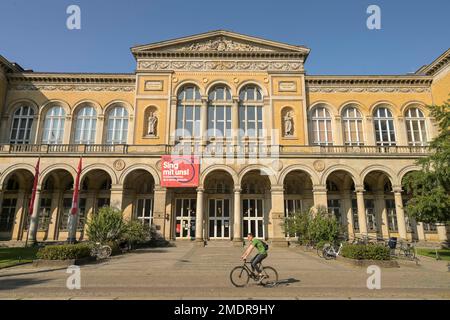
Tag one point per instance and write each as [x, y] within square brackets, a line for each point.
[32, 272]
[282, 282]
[11, 284]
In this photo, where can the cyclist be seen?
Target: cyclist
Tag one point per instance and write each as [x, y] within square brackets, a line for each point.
[260, 256]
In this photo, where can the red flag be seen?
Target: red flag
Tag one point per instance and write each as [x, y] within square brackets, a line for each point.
[76, 188]
[33, 194]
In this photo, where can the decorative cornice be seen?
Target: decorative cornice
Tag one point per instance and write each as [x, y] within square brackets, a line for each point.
[355, 84]
[436, 65]
[72, 82]
[220, 65]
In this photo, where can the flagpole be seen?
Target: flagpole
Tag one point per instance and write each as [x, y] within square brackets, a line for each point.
[73, 215]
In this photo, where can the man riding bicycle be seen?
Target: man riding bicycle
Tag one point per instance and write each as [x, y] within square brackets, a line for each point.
[260, 256]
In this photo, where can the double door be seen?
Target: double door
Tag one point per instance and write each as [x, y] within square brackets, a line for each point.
[185, 211]
[219, 218]
[253, 217]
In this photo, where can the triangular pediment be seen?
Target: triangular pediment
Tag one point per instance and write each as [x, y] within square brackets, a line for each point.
[220, 41]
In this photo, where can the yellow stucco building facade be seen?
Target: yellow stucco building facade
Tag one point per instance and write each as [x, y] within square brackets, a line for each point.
[272, 140]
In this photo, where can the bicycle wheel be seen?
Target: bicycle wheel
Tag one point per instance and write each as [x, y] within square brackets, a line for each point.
[270, 276]
[239, 277]
[328, 253]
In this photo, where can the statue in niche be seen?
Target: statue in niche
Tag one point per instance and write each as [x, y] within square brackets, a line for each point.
[152, 122]
[288, 124]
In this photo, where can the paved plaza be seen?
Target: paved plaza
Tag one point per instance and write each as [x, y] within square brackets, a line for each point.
[190, 272]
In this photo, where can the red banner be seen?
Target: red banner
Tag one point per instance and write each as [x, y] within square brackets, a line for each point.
[179, 171]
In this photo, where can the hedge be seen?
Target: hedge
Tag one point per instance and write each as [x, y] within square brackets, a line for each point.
[366, 252]
[64, 252]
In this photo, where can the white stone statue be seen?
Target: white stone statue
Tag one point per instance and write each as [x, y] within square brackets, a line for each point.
[152, 121]
[288, 124]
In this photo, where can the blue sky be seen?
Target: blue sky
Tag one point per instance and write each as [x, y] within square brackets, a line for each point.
[413, 33]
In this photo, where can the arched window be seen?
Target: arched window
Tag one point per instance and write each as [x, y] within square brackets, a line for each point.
[251, 111]
[384, 127]
[321, 126]
[415, 126]
[21, 125]
[54, 125]
[117, 130]
[86, 122]
[352, 126]
[188, 112]
[219, 112]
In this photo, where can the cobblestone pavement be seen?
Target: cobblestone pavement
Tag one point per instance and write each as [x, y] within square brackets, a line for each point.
[191, 272]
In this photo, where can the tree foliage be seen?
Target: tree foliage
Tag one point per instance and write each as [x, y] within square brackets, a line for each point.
[429, 189]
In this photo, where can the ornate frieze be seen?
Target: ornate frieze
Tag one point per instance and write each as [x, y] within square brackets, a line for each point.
[368, 89]
[44, 87]
[220, 44]
[215, 65]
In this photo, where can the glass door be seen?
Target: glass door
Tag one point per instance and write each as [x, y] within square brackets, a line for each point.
[253, 217]
[7, 216]
[219, 218]
[291, 207]
[144, 211]
[185, 218]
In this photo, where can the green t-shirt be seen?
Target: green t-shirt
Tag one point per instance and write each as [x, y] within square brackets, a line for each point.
[259, 246]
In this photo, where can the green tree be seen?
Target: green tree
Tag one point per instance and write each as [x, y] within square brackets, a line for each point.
[107, 226]
[429, 189]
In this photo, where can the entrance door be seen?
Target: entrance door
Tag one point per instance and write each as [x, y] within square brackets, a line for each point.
[253, 217]
[7, 216]
[185, 218]
[144, 211]
[291, 207]
[219, 218]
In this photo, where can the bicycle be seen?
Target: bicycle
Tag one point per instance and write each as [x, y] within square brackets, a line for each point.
[241, 275]
[329, 251]
[101, 251]
[406, 250]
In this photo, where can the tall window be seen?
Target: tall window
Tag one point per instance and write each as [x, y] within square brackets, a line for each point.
[188, 112]
[353, 127]
[21, 125]
[86, 123]
[219, 112]
[54, 125]
[384, 127]
[251, 111]
[321, 126]
[117, 125]
[415, 126]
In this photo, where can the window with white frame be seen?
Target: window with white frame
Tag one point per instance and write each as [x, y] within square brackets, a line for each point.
[188, 112]
[384, 127]
[352, 125]
[86, 122]
[54, 125]
[321, 126]
[117, 130]
[219, 112]
[251, 106]
[415, 127]
[22, 123]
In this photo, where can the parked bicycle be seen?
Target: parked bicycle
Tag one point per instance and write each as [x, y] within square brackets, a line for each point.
[405, 250]
[100, 251]
[241, 275]
[330, 251]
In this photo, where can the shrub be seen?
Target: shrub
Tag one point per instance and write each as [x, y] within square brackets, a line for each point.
[319, 227]
[366, 252]
[64, 252]
[107, 226]
[136, 232]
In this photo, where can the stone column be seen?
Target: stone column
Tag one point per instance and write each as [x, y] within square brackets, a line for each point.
[56, 212]
[347, 206]
[320, 197]
[277, 215]
[67, 129]
[235, 120]
[237, 221]
[159, 210]
[381, 214]
[369, 132]
[20, 215]
[362, 221]
[116, 196]
[338, 133]
[401, 137]
[100, 128]
[33, 227]
[199, 218]
[420, 231]
[204, 120]
[442, 233]
[400, 212]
